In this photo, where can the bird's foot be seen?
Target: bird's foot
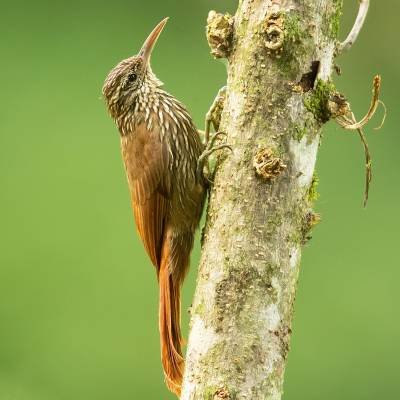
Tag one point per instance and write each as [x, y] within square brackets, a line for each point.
[202, 172]
[213, 115]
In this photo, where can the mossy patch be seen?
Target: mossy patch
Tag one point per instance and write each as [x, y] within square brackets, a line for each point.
[312, 193]
[317, 101]
[293, 28]
[294, 43]
[334, 21]
[298, 132]
[309, 129]
[199, 310]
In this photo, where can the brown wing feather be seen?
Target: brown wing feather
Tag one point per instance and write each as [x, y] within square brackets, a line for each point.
[146, 163]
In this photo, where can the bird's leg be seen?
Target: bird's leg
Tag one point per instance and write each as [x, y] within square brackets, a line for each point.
[213, 117]
[202, 160]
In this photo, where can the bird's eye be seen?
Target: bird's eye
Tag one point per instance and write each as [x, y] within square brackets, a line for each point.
[132, 77]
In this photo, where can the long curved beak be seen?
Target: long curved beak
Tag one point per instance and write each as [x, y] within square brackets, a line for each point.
[151, 40]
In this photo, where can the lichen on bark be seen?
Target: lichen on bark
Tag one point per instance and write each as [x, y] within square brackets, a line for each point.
[255, 228]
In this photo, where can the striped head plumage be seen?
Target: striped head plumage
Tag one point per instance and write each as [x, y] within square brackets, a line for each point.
[132, 79]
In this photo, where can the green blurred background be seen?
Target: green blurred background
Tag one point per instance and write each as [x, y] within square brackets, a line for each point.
[78, 296]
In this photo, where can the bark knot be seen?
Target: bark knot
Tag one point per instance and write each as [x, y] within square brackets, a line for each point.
[222, 394]
[267, 165]
[273, 30]
[338, 105]
[220, 34]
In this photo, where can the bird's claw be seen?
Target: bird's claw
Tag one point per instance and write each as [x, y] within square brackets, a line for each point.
[210, 149]
[214, 137]
[213, 117]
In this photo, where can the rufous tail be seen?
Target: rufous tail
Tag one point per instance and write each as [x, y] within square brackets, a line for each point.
[173, 266]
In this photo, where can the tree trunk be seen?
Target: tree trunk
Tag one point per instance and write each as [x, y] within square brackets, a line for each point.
[260, 214]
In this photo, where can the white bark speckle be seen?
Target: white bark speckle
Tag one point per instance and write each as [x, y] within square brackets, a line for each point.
[272, 316]
[294, 257]
[303, 158]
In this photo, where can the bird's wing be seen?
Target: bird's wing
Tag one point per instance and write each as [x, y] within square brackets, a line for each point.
[146, 163]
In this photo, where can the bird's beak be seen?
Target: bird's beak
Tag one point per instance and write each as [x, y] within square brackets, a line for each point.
[148, 45]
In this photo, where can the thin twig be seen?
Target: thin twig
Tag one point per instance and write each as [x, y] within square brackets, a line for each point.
[358, 24]
[343, 121]
[368, 165]
[384, 115]
[348, 121]
[374, 105]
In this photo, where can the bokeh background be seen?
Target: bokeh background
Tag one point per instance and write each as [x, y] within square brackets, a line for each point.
[78, 296]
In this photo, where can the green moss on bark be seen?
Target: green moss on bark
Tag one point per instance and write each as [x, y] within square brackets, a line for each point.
[317, 101]
[334, 21]
[298, 132]
[295, 36]
[294, 28]
[312, 193]
[199, 310]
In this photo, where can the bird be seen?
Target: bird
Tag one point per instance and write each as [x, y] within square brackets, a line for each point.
[162, 153]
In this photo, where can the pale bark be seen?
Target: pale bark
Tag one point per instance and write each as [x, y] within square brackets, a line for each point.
[258, 220]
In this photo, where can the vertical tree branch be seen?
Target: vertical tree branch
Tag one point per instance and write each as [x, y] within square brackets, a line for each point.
[278, 96]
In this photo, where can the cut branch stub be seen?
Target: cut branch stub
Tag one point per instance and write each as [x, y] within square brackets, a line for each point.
[220, 34]
[267, 165]
[274, 32]
[337, 105]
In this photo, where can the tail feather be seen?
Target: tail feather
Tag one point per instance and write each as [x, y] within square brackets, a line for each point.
[170, 336]
[173, 267]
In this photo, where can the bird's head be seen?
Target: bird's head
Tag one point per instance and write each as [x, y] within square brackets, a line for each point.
[131, 76]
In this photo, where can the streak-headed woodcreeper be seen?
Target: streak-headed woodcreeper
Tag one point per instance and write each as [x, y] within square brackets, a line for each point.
[163, 155]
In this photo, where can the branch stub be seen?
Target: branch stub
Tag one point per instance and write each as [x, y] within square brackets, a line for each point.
[220, 33]
[267, 165]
